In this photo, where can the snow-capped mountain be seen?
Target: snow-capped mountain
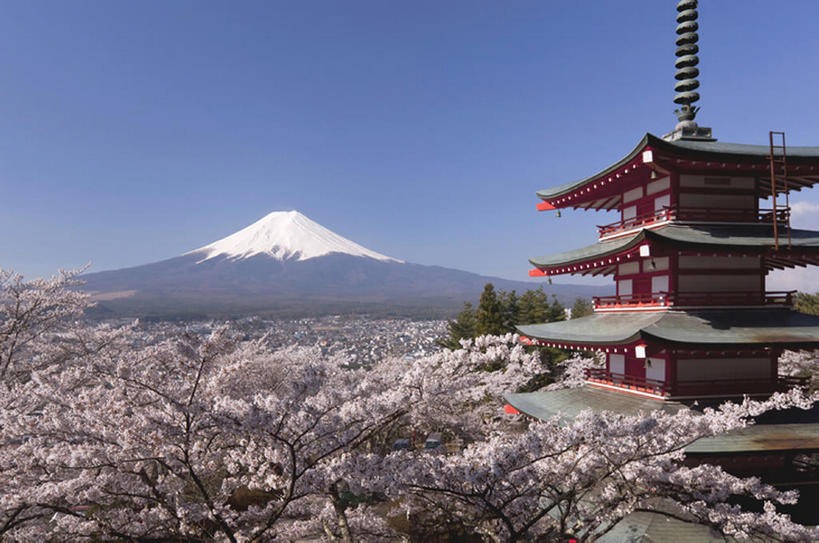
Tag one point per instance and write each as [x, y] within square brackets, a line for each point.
[288, 265]
[285, 235]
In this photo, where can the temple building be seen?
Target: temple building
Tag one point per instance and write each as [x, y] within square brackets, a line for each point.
[701, 225]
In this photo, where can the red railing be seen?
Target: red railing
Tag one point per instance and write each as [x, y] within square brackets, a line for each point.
[665, 299]
[636, 222]
[656, 299]
[696, 214]
[631, 382]
[708, 387]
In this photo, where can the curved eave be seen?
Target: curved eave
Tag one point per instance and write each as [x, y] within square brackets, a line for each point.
[597, 329]
[766, 327]
[566, 188]
[567, 403]
[702, 151]
[717, 150]
[684, 329]
[602, 249]
[732, 236]
[753, 239]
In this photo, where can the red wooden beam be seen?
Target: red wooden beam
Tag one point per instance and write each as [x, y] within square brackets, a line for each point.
[545, 206]
[537, 273]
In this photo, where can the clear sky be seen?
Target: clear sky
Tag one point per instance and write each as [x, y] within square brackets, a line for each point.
[131, 132]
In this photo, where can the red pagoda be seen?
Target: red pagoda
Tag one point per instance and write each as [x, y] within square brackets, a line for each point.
[701, 225]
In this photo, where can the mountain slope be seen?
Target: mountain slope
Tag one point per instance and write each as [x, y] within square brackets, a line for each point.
[288, 265]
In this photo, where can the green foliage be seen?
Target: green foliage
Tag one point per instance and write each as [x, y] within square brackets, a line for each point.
[534, 307]
[490, 313]
[806, 303]
[581, 308]
[509, 309]
[463, 327]
[499, 312]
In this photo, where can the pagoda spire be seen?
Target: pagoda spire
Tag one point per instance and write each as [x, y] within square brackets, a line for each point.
[687, 60]
[687, 73]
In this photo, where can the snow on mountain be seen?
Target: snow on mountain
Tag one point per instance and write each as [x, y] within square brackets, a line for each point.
[285, 235]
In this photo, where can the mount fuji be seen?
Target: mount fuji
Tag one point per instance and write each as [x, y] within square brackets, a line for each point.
[288, 265]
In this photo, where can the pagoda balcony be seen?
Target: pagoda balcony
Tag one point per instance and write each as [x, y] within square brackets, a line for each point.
[694, 214]
[722, 387]
[659, 300]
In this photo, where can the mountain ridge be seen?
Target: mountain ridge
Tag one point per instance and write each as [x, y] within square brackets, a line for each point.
[286, 272]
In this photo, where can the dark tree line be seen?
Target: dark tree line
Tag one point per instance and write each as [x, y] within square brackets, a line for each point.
[498, 313]
[806, 303]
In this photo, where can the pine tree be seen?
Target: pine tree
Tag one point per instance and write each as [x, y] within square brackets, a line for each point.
[806, 303]
[533, 307]
[556, 311]
[509, 310]
[581, 308]
[463, 327]
[490, 314]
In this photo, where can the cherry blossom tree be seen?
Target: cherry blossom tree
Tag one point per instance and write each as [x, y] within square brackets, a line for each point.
[212, 438]
[109, 435]
[802, 364]
[29, 311]
[559, 481]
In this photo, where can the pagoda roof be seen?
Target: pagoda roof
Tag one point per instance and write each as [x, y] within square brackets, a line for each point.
[760, 437]
[650, 526]
[724, 158]
[701, 328]
[752, 238]
[567, 403]
[774, 431]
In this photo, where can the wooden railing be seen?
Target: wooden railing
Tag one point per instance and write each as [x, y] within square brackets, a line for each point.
[708, 387]
[639, 221]
[724, 298]
[696, 214]
[631, 382]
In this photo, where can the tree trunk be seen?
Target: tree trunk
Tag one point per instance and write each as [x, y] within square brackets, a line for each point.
[346, 534]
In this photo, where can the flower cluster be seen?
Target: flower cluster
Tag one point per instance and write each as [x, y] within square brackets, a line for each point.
[106, 435]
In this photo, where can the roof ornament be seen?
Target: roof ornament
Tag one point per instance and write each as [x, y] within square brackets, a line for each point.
[686, 75]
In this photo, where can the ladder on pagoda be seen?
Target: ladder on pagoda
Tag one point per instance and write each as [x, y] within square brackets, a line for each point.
[779, 162]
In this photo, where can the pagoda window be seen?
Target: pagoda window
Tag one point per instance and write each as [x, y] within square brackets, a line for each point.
[655, 264]
[655, 369]
[629, 212]
[624, 287]
[617, 364]
[658, 186]
[659, 283]
[662, 201]
[633, 194]
[628, 268]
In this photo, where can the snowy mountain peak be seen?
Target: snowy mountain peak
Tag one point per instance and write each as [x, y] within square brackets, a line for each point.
[285, 235]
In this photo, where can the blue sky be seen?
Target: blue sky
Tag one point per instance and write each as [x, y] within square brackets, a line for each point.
[133, 132]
